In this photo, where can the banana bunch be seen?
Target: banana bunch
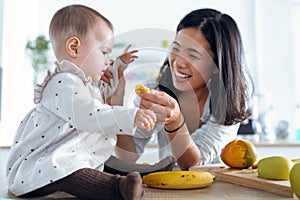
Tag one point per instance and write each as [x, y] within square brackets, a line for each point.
[140, 88]
[179, 179]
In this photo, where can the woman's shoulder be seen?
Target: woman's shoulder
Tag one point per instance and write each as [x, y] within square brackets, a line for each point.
[213, 127]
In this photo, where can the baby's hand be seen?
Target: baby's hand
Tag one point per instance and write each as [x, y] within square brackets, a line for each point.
[128, 56]
[145, 118]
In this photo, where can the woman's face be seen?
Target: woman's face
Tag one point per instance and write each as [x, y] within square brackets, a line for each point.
[191, 60]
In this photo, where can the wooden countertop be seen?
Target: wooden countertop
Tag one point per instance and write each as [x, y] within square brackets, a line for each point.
[217, 190]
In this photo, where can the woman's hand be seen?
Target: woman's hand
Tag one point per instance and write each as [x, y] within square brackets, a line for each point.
[163, 105]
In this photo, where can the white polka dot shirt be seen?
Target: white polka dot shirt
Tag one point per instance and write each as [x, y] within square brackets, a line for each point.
[70, 128]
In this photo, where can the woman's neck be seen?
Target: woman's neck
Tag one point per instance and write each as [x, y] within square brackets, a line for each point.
[199, 95]
[192, 106]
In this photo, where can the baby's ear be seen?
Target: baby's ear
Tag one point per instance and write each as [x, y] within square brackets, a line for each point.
[72, 46]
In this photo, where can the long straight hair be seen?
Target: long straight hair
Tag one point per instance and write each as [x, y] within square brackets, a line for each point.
[233, 78]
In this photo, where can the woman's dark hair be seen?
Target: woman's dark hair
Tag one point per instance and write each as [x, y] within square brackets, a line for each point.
[229, 93]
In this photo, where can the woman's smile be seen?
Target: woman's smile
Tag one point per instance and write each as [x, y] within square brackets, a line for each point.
[181, 75]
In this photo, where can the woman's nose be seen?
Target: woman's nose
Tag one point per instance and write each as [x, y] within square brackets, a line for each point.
[181, 62]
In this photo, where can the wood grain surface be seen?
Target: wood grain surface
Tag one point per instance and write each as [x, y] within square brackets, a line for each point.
[250, 180]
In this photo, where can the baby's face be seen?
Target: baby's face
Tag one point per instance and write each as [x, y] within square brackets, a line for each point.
[94, 51]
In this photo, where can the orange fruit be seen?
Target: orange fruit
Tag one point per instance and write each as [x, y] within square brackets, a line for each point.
[240, 154]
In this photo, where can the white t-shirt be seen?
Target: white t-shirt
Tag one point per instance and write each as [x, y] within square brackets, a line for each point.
[70, 128]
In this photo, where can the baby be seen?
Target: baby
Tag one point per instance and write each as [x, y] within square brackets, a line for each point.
[63, 143]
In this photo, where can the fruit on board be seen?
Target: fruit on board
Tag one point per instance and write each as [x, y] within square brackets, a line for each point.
[295, 179]
[274, 167]
[240, 154]
[140, 88]
[179, 179]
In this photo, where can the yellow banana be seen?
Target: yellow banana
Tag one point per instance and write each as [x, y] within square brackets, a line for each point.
[179, 179]
[140, 88]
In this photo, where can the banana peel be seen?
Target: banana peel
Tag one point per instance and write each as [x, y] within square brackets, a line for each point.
[179, 179]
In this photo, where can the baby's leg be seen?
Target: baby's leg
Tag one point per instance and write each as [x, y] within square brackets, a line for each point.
[94, 184]
[131, 186]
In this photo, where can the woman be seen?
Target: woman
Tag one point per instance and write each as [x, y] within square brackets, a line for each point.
[202, 91]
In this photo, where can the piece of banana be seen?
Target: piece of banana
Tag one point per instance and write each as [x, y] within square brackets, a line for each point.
[179, 179]
[140, 88]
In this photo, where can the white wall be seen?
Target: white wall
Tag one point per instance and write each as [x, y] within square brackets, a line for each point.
[1, 21]
[296, 46]
[19, 24]
[134, 14]
[274, 56]
[270, 65]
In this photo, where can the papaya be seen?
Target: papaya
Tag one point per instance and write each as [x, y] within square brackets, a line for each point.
[239, 154]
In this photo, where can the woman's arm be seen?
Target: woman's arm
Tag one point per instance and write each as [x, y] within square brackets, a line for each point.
[125, 148]
[182, 145]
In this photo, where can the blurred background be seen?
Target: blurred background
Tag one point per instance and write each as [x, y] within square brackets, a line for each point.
[270, 30]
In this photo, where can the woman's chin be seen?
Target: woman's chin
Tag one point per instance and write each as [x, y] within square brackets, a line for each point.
[182, 86]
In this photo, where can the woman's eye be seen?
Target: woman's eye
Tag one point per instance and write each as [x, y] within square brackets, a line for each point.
[193, 57]
[175, 49]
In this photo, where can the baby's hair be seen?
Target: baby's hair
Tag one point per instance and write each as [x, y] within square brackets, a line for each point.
[75, 20]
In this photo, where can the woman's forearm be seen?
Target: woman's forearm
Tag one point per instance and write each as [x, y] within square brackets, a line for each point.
[191, 157]
[125, 148]
[183, 147]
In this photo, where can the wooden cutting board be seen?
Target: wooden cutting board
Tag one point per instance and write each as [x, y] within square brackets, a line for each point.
[248, 180]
